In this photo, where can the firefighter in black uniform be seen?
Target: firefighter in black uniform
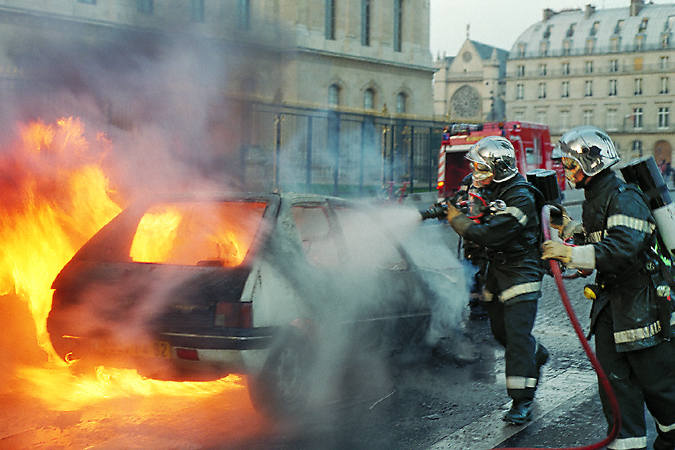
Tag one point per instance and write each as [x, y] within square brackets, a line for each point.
[634, 347]
[510, 235]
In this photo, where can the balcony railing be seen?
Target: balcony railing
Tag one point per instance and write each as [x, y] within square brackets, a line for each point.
[596, 51]
[624, 69]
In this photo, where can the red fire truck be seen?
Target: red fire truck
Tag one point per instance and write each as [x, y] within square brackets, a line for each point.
[531, 141]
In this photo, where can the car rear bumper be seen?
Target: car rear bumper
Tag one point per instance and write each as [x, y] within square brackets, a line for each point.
[220, 339]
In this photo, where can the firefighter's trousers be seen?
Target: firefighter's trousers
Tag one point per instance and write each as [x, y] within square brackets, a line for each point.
[511, 323]
[638, 378]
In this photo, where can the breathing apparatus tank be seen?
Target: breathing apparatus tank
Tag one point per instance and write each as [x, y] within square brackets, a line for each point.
[645, 173]
[547, 183]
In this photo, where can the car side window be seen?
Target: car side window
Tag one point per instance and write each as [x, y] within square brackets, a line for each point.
[318, 239]
[367, 245]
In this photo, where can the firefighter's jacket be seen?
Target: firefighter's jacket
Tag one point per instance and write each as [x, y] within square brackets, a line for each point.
[620, 226]
[510, 233]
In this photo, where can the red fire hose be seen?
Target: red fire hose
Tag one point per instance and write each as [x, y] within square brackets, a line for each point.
[604, 382]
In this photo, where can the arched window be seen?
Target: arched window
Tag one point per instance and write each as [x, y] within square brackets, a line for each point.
[401, 102]
[334, 95]
[369, 99]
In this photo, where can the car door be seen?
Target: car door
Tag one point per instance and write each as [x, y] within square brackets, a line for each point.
[380, 273]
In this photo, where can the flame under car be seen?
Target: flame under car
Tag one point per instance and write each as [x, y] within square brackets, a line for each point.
[196, 288]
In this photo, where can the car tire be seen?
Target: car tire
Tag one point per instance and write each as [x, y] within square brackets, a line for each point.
[282, 387]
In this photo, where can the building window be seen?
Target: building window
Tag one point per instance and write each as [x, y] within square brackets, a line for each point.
[637, 63]
[547, 32]
[144, 6]
[564, 121]
[401, 101]
[520, 91]
[588, 67]
[613, 65]
[590, 45]
[542, 90]
[567, 47]
[663, 62]
[541, 117]
[521, 71]
[665, 85]
[615, 43]
[365, 22]
[612, 88]
[588, 117]
[594, 28]
[670, 23]
[543, 48]
[664, 117]
[637, 117]
[619, 26]
[521, 50]
[565, 68]
[398, 25]
[570, 30]
[637, 86]
[639, 42]
[244, 10]
[643, 25]
[369, 99]
[588, 88]
[330, 20]
[565, 89]
[611, 120]
[637, 148]
[197, 10]
[665, 40]
[542, 69]
[334, 95]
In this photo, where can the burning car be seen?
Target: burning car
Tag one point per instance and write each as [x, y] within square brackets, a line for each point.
[199, 287]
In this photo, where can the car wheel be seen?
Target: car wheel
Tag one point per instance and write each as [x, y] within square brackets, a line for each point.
[281, 388]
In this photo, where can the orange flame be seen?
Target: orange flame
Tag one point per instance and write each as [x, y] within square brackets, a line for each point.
[55, 195]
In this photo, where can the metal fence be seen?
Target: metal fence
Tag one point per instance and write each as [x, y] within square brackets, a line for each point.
[335, 152]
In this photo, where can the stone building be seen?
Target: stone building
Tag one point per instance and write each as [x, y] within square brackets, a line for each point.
[612, 68]
[324, 92]
[360, 55]
[470, 86]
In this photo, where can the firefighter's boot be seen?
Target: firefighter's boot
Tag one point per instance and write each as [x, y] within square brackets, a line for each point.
[520, 412]
[541, 356]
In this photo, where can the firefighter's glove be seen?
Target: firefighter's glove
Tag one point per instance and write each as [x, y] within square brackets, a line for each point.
[580, 257]
[564, 224]
[556, 250]
[458, 221]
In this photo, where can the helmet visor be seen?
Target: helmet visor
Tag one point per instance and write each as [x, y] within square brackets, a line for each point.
[480, 171]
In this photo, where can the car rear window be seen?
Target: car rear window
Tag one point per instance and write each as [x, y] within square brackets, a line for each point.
[196, 233]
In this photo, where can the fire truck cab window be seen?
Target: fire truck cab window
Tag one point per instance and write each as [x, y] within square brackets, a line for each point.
[367, 245]
[318, 239]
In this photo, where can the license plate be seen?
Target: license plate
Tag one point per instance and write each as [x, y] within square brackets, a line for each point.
[154, 349]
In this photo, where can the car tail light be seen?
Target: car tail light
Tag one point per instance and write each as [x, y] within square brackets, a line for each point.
[440, 185]
[187, 353]
[234, 314]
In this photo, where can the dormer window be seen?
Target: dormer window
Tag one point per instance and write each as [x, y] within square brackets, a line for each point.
[643, 25]
[594, 29]
[547, 32]
[543, 48]
[590, 45]
[670, 23]
[521, 50]
[639, 42]
[570, 30]
[619, 26]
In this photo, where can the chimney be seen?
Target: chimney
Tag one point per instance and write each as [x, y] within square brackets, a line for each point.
[590, 9]
[636, 6]
[548, 13]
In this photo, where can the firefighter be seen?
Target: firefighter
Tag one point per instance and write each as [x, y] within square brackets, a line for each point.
[635, 349]
[510, 235]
